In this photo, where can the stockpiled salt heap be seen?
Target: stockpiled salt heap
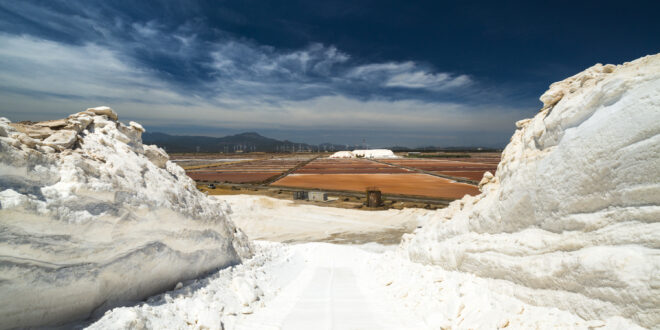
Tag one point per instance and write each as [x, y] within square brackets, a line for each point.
[91, 218]
[369, 153]
[572, 217]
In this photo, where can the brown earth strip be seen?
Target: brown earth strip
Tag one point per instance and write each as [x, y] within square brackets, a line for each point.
[283, 175]
[470, 175]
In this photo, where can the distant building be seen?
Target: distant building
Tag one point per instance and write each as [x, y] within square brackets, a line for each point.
[318, 196]
[374, 197]
[300, 195]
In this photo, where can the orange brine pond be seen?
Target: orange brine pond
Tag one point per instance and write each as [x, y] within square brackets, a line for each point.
[400, 184]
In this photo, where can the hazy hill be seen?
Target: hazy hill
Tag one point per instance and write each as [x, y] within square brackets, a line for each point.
[252, 141]
[249, 141]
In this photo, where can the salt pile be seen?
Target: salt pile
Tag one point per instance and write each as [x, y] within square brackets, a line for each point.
[571, 219]
[92, 218]
[342, 154]
[370, 153]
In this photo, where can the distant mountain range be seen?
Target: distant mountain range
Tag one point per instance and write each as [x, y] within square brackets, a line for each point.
[254, 142]
[244, 142]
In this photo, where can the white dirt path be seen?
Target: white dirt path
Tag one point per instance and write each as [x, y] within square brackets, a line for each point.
[331, 286]
[331, 291]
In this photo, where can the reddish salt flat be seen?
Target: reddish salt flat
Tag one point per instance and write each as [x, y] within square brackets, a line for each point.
[401, 184]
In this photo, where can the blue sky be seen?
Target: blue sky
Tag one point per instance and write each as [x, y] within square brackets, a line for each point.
[453, 73]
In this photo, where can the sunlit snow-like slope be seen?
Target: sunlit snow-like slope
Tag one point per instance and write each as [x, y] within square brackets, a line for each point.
[91, 218]
[571, 219]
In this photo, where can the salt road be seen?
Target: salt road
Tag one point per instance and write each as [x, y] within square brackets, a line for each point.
[330, 291]
[315, 285]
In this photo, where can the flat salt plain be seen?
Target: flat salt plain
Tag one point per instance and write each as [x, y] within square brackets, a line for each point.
[287, 221]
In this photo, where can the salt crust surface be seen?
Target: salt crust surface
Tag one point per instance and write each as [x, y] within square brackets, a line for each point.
[91, 218]
[272, 219]
[370, 153]
[571, 219]
[323, 286]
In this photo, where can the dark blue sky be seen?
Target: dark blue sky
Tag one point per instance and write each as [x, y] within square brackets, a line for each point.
[405, 73]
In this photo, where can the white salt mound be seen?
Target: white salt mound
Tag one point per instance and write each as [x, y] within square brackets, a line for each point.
[370, 153]
[342, 154]
[91, 218]
[571, 219]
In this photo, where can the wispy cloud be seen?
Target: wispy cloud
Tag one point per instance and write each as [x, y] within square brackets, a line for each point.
[42, 68]
[159, 72]
[407, 75]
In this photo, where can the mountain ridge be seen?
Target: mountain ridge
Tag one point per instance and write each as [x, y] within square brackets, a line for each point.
[242, 142]
[255, 142]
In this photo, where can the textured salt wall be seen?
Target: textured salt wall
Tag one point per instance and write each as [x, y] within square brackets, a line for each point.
[91, 218]
[572, 217]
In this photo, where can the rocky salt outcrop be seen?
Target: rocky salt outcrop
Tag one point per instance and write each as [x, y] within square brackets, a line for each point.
[90, 218]
[572, 217]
